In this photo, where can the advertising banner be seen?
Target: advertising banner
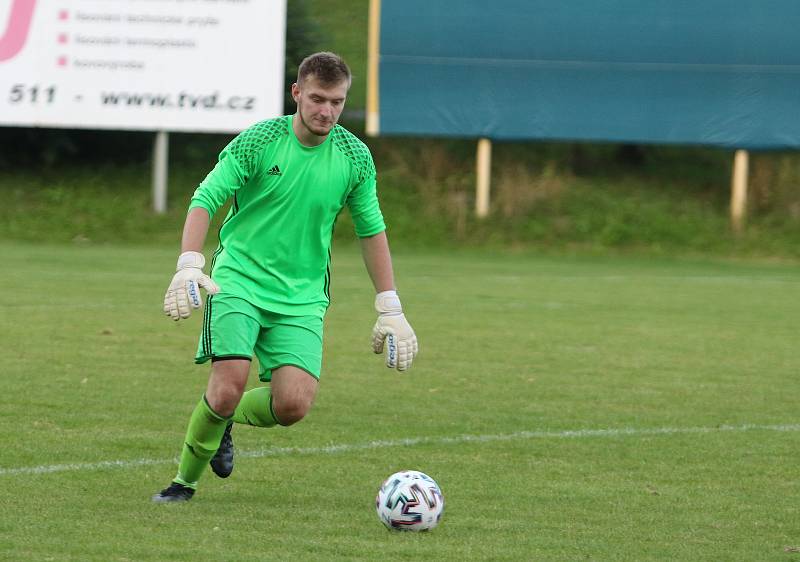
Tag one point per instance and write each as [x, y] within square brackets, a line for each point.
[717, 73]
[172, 65]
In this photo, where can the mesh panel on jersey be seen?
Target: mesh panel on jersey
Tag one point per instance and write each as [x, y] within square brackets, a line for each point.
[352, 147]
[249, 143]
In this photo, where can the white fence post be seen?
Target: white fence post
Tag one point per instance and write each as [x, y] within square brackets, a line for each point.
[484, 175]
[160, 168]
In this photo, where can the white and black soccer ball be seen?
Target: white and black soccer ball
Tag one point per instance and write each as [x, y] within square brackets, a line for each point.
[410, 501]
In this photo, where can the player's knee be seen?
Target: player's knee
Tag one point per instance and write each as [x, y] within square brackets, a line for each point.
[292, 410]
[224, 400]
[226, 385]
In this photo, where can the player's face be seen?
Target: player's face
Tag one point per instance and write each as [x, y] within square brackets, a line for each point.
[318, 106]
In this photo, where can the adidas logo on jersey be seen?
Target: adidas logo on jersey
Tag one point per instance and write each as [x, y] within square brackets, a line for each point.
[274, 171]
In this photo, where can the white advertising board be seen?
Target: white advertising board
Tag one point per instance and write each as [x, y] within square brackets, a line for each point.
[170, 65]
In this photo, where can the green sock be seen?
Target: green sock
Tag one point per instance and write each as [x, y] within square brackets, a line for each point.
[255, 408]
[202, 441]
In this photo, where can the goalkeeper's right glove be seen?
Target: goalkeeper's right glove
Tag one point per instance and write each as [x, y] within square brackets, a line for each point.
[393, 329]
[183, 293]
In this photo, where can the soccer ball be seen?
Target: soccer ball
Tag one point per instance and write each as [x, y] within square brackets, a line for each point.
[410, 501]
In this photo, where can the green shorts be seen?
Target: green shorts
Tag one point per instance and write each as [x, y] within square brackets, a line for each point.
[232, 327]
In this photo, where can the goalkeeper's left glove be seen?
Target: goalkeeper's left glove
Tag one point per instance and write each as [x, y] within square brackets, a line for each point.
[393, 329]
[183, 293]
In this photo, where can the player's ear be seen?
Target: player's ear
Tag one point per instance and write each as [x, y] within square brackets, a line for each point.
[295, 92]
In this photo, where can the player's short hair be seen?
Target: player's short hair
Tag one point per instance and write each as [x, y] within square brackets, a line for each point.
[329, 68]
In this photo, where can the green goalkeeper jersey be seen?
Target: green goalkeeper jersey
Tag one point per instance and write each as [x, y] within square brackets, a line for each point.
[274, 245]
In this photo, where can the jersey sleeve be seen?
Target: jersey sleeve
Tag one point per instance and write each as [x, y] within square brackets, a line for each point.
[220, 183]
[238, 163]
[363, 198]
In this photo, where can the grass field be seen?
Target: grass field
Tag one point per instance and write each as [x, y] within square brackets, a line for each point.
[618, 409]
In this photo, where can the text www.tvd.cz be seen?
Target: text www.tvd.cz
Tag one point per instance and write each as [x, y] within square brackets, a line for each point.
[182, 100]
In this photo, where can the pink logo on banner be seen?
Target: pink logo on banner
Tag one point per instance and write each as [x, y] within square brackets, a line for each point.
[19, 23]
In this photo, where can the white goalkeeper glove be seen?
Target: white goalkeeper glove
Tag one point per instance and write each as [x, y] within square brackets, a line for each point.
[183, 293]
[393, 329]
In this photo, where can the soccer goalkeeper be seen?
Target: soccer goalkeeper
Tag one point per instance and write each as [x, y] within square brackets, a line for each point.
[268, 283]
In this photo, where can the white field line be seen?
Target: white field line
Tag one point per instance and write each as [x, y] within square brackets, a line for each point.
[354, 447]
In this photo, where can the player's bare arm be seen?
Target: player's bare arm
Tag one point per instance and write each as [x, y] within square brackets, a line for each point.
[183, 293]
[392, 331]
[195, 230]
[378, 260]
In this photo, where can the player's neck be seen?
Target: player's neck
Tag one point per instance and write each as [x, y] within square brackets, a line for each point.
[304, 134]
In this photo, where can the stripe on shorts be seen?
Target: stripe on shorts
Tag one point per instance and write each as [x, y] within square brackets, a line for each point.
[207, 327]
